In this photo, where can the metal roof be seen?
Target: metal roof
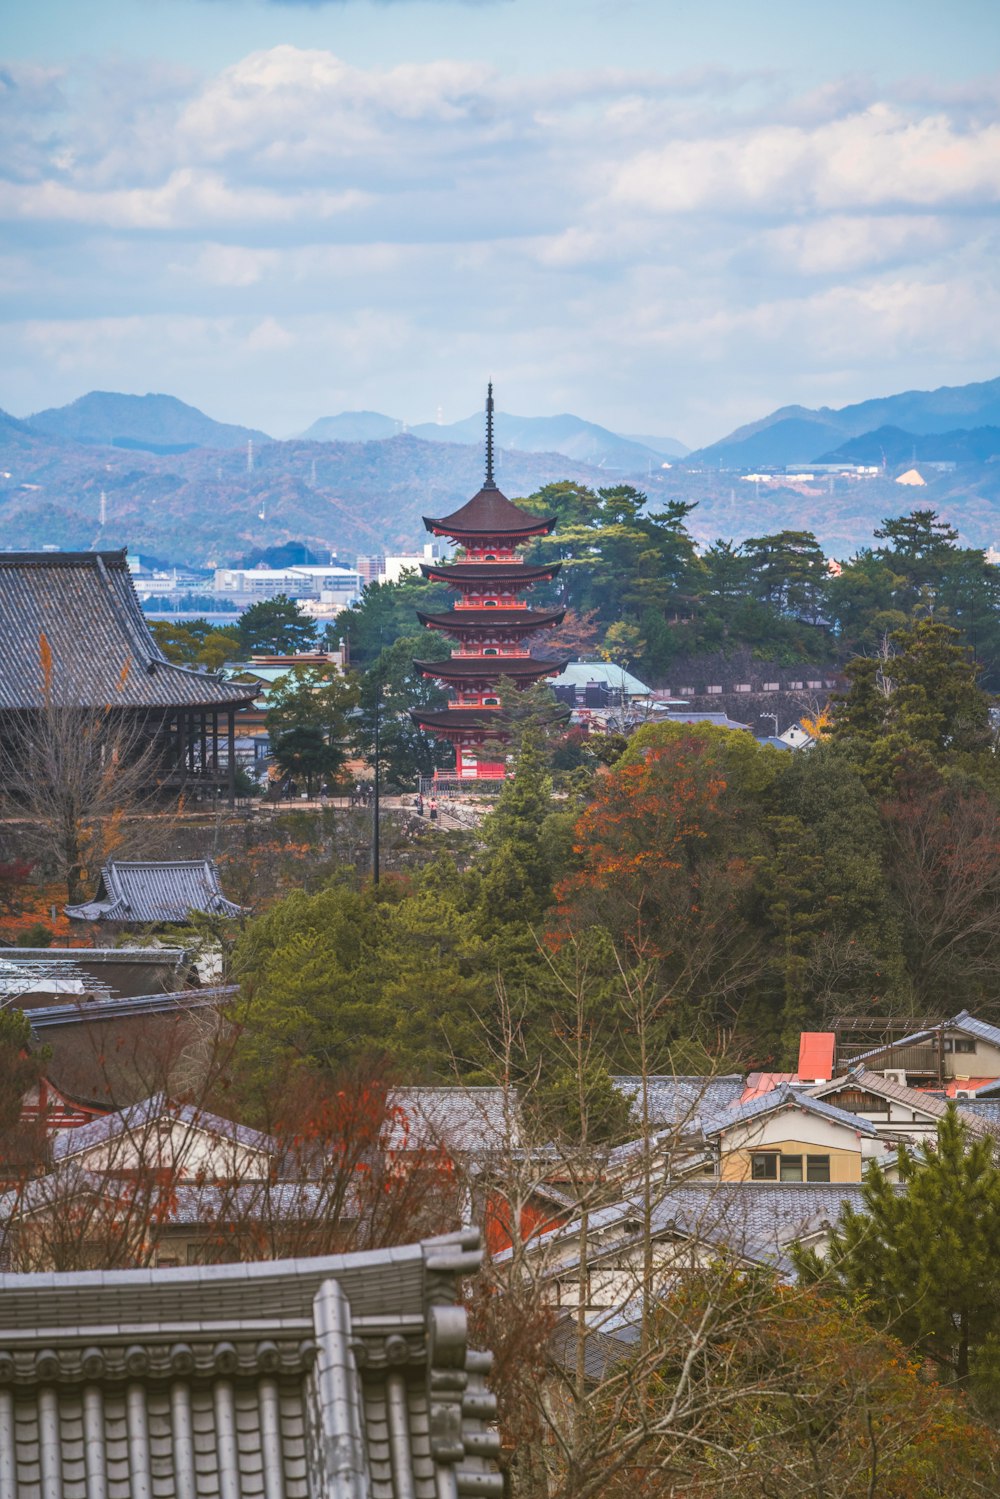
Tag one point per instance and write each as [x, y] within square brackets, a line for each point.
[75, 635]
[146, 892]
[45, 1017]
[582, 673]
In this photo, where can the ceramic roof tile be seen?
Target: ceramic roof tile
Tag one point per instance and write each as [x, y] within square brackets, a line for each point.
[79, 612]
[151, 892]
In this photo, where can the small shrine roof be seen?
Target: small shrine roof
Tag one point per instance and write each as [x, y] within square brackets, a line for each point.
[149, 893]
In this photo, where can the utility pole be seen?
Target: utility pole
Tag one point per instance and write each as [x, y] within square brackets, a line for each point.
[378, 767]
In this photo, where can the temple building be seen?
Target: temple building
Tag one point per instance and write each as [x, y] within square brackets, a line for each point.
[76, 643]
[490, 623]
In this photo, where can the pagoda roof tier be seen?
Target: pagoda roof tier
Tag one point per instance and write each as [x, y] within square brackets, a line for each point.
[458, 720]
[493, 621]
[469, 574]
[490, 513]
[490, 668]
[482, 721]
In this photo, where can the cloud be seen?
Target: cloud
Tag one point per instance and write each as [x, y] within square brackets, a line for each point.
[607, 240]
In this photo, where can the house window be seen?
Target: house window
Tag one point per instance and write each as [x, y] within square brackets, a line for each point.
[817, 1168]
[791, 1168]
[764, 1168]
[963, 1044]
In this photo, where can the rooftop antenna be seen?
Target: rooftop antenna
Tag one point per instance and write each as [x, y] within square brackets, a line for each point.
[490, 482]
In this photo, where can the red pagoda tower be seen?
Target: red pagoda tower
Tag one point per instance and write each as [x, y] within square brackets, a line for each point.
[489, 622]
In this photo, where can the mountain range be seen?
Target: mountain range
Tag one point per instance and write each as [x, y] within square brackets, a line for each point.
[177, 484]
[799, 434]
[148, 424]
[586, 442]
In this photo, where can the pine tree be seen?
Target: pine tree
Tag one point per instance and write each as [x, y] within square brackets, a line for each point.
[925, 1261]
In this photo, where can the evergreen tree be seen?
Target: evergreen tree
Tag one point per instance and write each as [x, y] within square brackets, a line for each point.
[517, 878]
[925, 1261]
[275, 627]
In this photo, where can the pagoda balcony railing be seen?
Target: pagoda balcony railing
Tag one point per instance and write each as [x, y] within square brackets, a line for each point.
[499, 601]
[519, 652]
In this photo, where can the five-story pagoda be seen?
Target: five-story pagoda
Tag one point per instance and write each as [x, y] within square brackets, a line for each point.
[489, 622]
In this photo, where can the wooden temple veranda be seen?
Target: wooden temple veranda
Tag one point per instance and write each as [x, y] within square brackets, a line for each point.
[73, 637]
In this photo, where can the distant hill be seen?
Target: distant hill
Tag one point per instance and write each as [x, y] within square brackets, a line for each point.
[799, 434]
[893, 446]
[585, 442]
[352, 426]
[668, 446]
[150, 423]
[203, 507]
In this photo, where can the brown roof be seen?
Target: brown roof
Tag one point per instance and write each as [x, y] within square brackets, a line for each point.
[490, 668]
[75, 635]
[458, 720]
[490, 513]
[474, 621]
[489, 573]
[887, 1087]
[465, 720]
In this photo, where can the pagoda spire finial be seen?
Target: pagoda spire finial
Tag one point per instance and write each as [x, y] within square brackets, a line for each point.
[490, 481]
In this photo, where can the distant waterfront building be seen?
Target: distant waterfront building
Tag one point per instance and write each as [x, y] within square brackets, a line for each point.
[331, 584]
[490, 623]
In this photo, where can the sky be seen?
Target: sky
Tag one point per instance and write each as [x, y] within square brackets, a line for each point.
[667, 216]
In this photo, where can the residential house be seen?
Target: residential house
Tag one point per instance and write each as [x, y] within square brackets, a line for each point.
[959, 1056]
[892, 1108]
[787, 1135]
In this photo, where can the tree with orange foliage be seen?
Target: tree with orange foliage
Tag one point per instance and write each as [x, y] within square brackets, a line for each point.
[663, 871]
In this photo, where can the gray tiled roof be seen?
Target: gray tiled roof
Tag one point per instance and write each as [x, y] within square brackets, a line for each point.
[81, 610]
[680, 1101]
[134, 1120]
[784, 1096]
[467, 1120]
[347, 1375]
[147, 892]
[756, 1220]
